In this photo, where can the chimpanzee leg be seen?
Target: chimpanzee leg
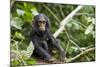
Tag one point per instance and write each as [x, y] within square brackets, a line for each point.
[42, 53]
[45, 46]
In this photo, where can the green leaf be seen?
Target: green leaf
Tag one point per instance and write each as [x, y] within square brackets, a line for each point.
[89, 29]
[89, 19]
[73, 23]
[14, 45]
[69, 24]
[93, 20]
[29, 50]
[93, 33]
[31, 61]
[88, 9]
[17, 22]
[74, 48]
[19, 35]
[34, 12]
[27, 17]
[76, 25]
[20, 12]
[25, 5]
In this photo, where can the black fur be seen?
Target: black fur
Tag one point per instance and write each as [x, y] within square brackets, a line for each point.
[43, 40]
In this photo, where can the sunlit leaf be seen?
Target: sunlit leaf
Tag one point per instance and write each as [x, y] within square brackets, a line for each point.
[20, 12]
[19, 35]
[69, 24]
[73, 23]
[17, 22]
[93, 20]
[74, 48]
[31, 61]
[93, 33]
[25, 5]
[76, 25]
[89, 19]
[34, 12]
[29, 50]
[89, 29]
[14, 45]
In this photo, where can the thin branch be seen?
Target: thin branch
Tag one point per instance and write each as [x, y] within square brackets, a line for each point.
[66, 20]
[12, 2]
[75, 44]
[51, 13]
[87, 14]
[67, 46]
[72, 41]
[82, 53]
[62, 13]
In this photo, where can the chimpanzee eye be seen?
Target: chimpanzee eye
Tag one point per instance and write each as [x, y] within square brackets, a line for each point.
[43, 22]
[39, 21]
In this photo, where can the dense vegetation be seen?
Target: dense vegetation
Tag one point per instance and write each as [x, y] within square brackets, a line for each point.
[78, 35]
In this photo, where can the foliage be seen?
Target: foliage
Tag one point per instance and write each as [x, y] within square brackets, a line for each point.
[79, 33]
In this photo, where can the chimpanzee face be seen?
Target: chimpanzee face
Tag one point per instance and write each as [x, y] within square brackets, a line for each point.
[42, 23]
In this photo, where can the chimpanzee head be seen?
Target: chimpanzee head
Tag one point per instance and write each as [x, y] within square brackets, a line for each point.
[41, 23]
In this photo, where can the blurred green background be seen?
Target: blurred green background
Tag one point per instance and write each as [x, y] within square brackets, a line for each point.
[78, 35]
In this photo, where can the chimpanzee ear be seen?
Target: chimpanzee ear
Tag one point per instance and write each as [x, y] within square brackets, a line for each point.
[32, 24]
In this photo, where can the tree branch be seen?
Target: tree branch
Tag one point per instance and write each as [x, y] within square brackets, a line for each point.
[66, 20]
[87, 14]
[12, 2]
[82, 53]
[51, 13]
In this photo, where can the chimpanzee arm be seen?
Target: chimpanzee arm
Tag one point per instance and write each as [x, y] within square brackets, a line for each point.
[42, 53]
[45, 46]
[56, 44]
